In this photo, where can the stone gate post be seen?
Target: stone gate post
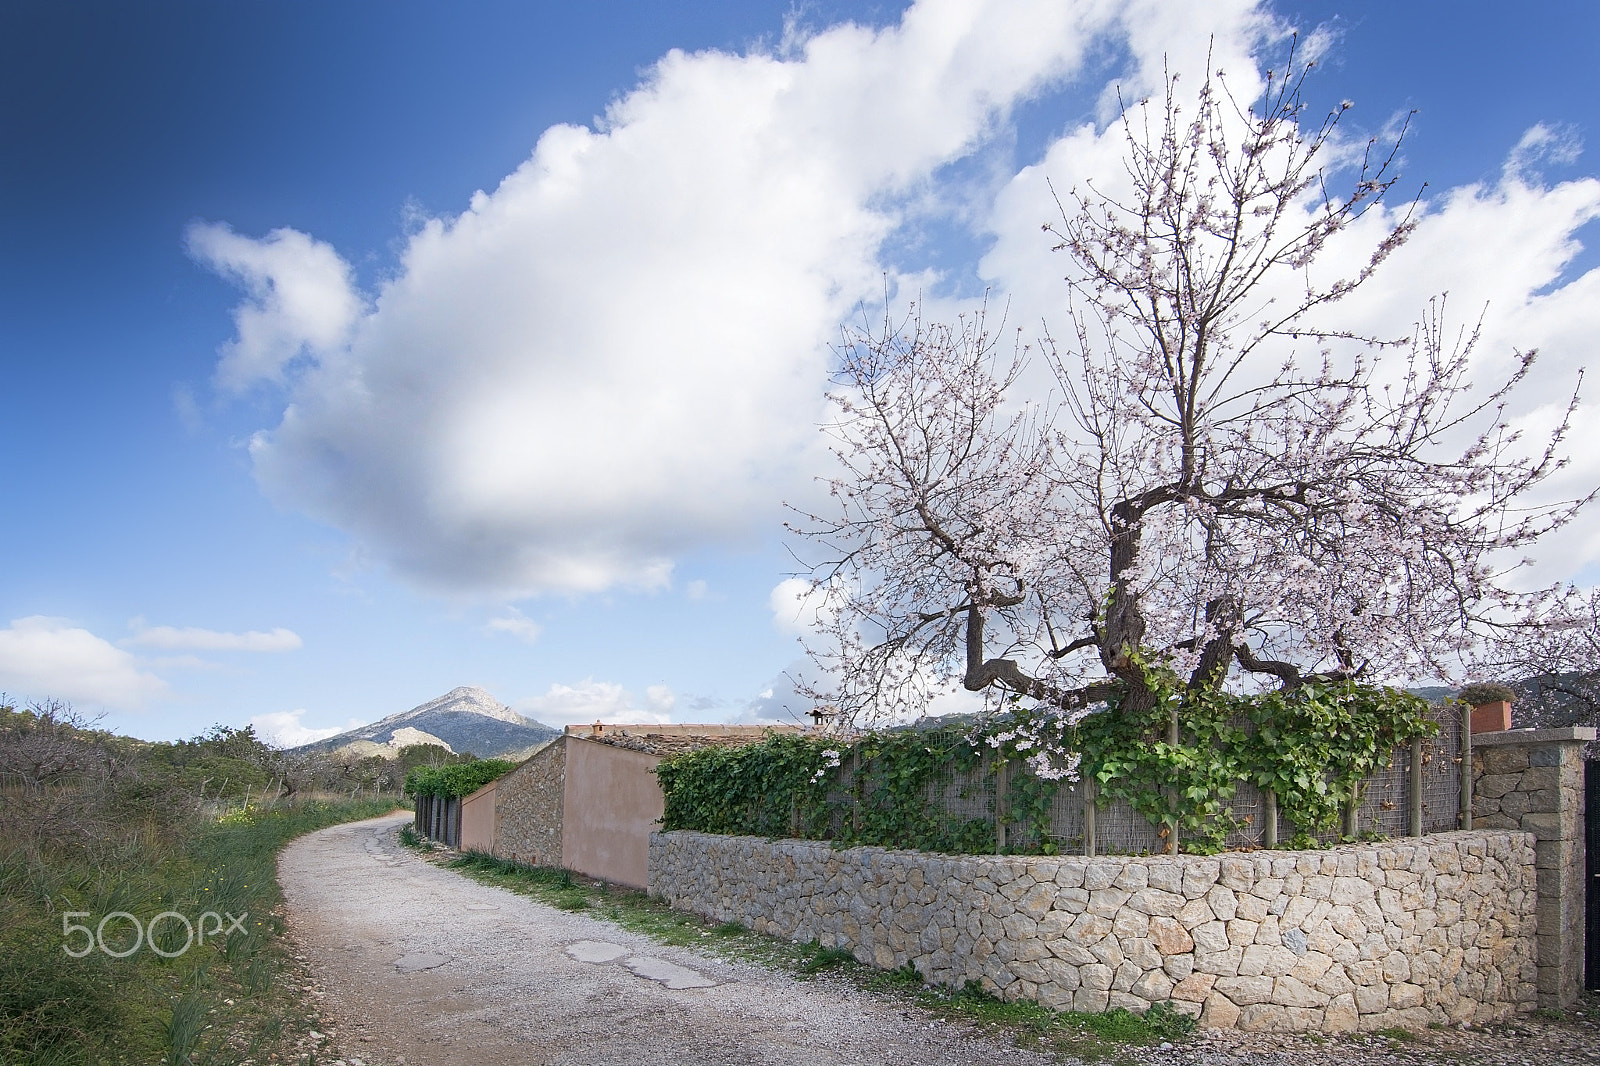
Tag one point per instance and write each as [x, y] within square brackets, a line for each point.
[1532, 779]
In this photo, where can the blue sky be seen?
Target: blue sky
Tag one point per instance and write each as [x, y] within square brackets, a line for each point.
[588, 390]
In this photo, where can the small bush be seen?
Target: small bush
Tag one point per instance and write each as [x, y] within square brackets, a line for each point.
[1479, 693]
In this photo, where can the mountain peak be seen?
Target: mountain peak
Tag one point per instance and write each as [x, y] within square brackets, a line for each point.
[466, 719]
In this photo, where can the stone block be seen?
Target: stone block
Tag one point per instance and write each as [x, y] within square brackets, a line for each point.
[1242, 932]
[1223, 903]
[1212, 936]
[1506, 759]
[1090, 1000]
[1545, 755]
[1199, 876]
[1405, 995]
[1341, 1015]
[1244, 991]
[1170, 937]
[1269, 961]
[1539, 778]
[1218, 1012]
[1372, 999]
[1097, 876]
[1166, 877]
[1292, 992]
[1221, 963]
[1153, 987]
[1251, 908]
[1154, 901]
[1096, 976]
[1037, 901]
[1142, 953]
[1195, 988]
[1194, 913]
[1237, 873]
[1126, 1001]
[1134, 876]
[1348, 891]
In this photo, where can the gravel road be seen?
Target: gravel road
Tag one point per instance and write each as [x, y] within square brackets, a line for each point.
[424, 967]
[420, 966]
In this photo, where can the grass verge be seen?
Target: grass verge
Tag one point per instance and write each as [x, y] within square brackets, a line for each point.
[1090, 1037]
[142, 991]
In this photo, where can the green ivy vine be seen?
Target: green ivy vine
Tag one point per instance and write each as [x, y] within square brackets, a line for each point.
[1312, 746]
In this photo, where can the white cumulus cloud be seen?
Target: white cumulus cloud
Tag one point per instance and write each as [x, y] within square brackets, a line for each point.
[189, 638]
[618, 353]
[598, 701]
[286, 729]
[516, 624]
[301, 300]
[44, 657]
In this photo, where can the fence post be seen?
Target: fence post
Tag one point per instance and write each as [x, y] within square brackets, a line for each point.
[1174, 735]
[1466, 767]
[1002, 781]
[1415, 826]
[1269, 818]
[1352, 813]
[1089, 841]
[855, 792]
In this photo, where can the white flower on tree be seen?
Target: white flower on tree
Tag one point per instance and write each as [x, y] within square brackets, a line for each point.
[1226, 480]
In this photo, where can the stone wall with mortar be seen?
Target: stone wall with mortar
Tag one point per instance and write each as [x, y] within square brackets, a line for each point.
[1532, 779]
[528, 808]
[1402, 933]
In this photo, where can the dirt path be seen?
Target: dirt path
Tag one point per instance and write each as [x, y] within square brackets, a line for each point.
[423, 967]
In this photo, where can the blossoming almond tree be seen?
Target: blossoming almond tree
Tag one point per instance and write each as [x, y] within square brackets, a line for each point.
[1229, 483]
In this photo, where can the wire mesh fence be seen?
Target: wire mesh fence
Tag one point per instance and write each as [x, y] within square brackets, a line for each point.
[965, 801]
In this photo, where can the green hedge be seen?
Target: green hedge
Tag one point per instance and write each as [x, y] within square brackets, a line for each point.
[452, 782]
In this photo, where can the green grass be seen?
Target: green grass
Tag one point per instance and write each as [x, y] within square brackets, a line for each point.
[1089, 1037]
[218, 1002]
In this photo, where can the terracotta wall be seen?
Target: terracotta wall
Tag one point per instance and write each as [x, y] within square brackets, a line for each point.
[477, 820]
[612, 802]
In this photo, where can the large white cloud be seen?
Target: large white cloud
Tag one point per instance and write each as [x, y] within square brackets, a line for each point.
[619, 352]
[43, 657]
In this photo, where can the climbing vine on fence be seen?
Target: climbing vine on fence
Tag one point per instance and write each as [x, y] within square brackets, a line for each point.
[1315, 745]
[1312, 746]
[1179, 787]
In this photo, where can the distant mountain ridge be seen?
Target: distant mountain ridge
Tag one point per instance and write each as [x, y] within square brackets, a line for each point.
[466, 719]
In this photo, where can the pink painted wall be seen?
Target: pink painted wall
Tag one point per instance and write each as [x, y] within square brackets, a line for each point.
[477, 820]
[612, 803]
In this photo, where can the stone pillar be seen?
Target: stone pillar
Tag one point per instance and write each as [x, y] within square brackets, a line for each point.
[1532, 779]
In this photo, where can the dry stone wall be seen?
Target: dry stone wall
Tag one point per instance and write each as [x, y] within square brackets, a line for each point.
[528, 808]
[1430, 929]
